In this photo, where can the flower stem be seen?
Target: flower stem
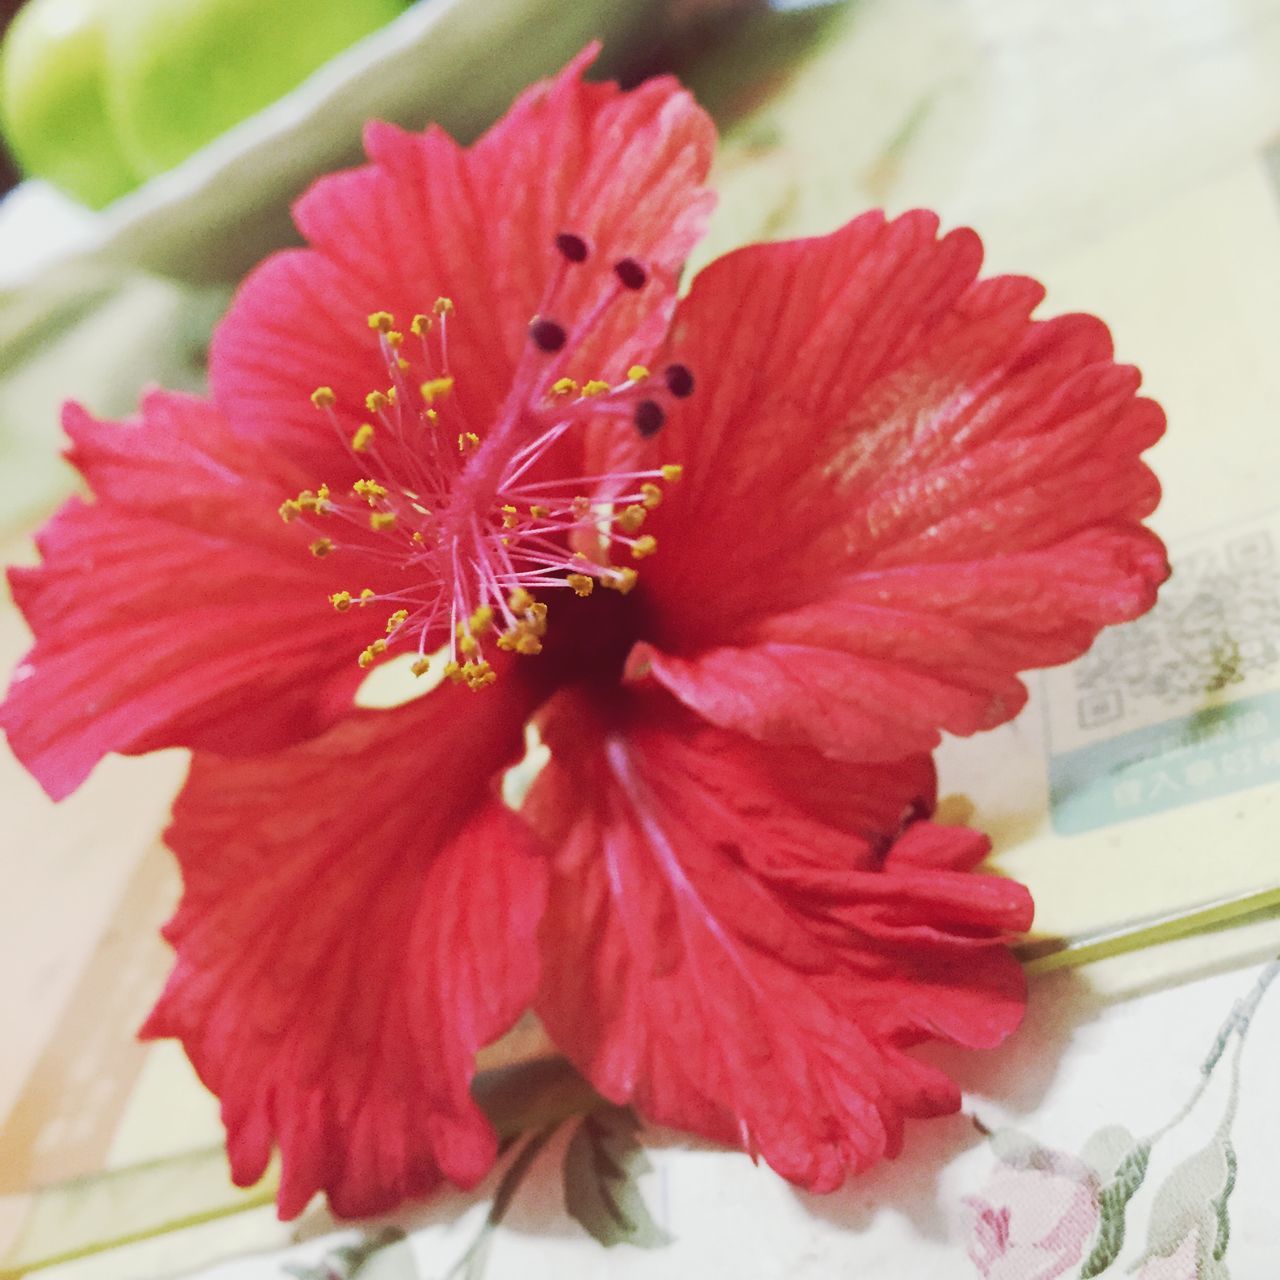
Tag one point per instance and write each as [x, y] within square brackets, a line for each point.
[1045, 954]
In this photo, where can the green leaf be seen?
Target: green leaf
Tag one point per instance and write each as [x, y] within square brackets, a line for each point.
[348, 1261]
[1220, 1203]
[1112, 1204]
[602, 1163]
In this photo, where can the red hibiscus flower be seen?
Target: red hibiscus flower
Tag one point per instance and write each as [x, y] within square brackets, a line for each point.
[739, 557]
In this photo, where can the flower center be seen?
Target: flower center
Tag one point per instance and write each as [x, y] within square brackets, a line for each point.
[477, 530]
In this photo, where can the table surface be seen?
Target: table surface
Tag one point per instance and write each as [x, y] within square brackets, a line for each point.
[1119, 152]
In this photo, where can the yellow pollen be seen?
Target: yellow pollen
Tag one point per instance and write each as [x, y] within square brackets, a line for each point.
[323, 397]
[375, 650]
[289, 510]
[421, 666]
[621, 580]
[383, 321]
[467, 645]
[637, 373]
[436, 389]
[539, 612]
[510, 517]
[380, 520]
[564, 387]
[369, 490]
[581, 507]
[341, 600]
[672, 472]
[595, 388]
[644, 546]
[397, 619]
[632, 518]
[652, 495]
[417, 536]
[581, 583]
[467, 440]
[391, 395]
[375, 402]
[366, 595]
[363, 437]
[395, 339]
[401, 363]
[432, 415]
[453, 671]
[482, 617]
[519, 601]
[528, 644]
[539, 512]
[421, 324]
[321, 548]
[443, 306]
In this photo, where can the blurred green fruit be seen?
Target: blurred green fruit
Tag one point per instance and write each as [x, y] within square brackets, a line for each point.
[53, 102]
[180, 72]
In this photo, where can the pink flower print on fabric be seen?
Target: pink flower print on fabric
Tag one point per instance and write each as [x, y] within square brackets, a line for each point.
[1034, 1217]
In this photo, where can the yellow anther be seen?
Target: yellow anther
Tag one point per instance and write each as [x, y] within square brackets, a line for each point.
[519, 601]
[375, 402]
[644, 546]
[539, 512]
[595, 388]
[321, 548]
[478, 674]
[581, 583]
[436, 389]
[672, 472]
[453, 670]
[432, 415]
[581, 507]
[528, 644]
[322, 495]
[383, 321]
[323, 397]
[366, 595]
[395, 338]
[637, 373]
[652, 495]
[467, 645]
[621, 580]
[417, 536]
[631, 518]
[467, 440]
[443, 306]
[391, 395]
[421, 324]
[421, 666]
[369, 490]
[510, 517]
[380, 520]
[289, 510]
[401, 363]
[341, 600]
[397, 619]
[363, 437]
[564, 387]
[368, 654]
[481, 618]
[538, 611]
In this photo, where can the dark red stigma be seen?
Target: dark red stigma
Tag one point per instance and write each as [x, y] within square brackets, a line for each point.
[649, 418]
[631, 273]
[546, 334]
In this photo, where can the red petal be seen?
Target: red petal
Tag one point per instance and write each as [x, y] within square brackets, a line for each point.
[358, 918]
[727, 946]
[429, 218]
[899, 492]
[176, 610]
